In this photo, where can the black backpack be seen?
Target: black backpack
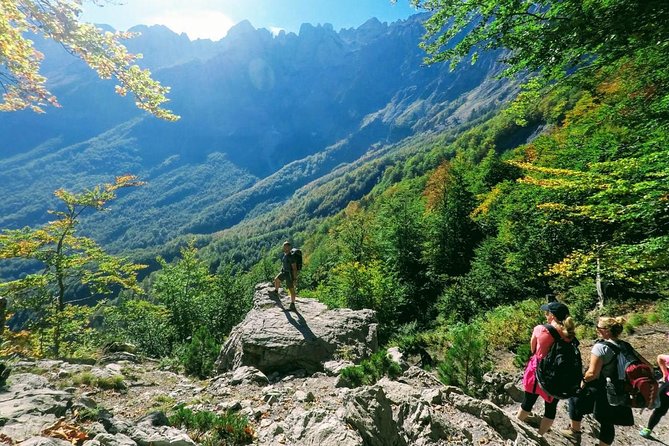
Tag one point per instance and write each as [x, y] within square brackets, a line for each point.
[560, 372]
[296, 253]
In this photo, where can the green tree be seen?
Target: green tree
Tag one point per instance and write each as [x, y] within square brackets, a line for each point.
[452, 235]
[196, 298]
[465, 361]
[553, 37]
[66, 260]
[24, 87]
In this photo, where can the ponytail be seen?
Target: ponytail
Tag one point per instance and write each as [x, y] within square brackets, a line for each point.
[568, 327]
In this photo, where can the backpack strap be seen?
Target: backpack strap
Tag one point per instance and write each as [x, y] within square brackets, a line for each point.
[553, 331]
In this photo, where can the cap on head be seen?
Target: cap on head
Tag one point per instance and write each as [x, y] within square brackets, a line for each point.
[557, 309]
[286, 243]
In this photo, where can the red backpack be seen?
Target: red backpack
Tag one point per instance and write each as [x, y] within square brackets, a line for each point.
[635, 384]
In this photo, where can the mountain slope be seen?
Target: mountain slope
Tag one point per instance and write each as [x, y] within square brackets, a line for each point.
[262, 117]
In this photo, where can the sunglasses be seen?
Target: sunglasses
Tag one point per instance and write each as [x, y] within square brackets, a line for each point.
[601, 328]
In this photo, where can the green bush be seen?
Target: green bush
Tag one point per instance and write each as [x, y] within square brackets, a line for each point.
[523, 353]
[662, 309]
[510, 326]
[466, 359]
[199, 356]
[371, 370]
[637, 319]
[653, 317]
[210, 428]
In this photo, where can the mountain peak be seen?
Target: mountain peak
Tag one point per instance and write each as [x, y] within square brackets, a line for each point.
[242, 28]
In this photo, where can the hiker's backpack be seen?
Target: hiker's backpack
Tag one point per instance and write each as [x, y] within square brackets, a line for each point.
[560, 372]
[634, 385]
[296, 253]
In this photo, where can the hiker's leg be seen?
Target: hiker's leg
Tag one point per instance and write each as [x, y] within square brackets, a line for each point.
[277, 281]
[662, 362]
[290, 284]
[575, 418]
[526, 406]
[550, 410]
[661, 411]
[607, 432]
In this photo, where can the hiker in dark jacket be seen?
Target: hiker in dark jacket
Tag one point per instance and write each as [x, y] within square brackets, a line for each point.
[288, 274]
[557, 315]
[603, 364]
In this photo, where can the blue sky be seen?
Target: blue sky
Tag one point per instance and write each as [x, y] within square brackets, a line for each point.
[212, 18]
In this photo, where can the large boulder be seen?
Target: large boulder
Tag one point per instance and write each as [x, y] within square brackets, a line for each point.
[273, 339]
[28, 404]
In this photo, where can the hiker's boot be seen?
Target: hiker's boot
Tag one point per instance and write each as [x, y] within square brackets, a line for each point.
[571, 435]
[291, 307]
[645, 432]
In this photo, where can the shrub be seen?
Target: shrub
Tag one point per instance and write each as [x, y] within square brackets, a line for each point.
[510, 326]
[662, 309]
[199, 356]
[371, 370]
[523, 353]
[465, 361]
[653, 317]
[210, 428]
[636, 320]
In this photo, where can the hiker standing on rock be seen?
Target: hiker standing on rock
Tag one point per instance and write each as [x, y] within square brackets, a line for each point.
[603, 364]
[288, 274]
[557, 316]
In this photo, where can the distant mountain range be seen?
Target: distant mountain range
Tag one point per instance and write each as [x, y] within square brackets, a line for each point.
[263, 116]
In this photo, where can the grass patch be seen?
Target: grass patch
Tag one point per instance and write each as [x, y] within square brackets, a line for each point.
[116, 382]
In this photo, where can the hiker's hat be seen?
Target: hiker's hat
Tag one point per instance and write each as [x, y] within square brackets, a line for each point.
[557, 309]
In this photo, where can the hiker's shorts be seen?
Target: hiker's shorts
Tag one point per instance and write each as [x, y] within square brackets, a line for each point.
[287, 277]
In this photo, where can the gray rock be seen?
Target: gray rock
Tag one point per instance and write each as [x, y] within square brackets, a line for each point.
[395, 355]
[334, 368]
[118, 357]
[246, 374]
[157, 418]
[44, 441]
[272, 339]
[146, 435]
[28, 405]
[114, 440]
[27, 426]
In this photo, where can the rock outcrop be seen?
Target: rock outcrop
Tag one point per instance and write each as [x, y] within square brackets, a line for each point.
[273, 339]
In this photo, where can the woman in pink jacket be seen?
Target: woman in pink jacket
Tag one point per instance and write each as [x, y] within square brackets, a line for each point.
[557, 315]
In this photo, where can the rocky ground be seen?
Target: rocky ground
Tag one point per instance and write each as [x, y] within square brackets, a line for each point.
[285, 409]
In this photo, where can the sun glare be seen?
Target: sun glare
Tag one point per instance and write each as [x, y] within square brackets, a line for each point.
[197, 24]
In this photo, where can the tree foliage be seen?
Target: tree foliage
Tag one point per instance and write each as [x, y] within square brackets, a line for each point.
[553, 37]
[65, 260]
[24, 87]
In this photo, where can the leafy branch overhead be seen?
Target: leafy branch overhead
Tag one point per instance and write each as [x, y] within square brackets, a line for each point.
[25, 88]
[553, 37]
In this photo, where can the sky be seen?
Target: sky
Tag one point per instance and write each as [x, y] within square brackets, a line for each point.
[211, 19]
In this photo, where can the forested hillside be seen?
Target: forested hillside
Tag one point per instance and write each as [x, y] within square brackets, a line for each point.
[447, 210]
[261, 116]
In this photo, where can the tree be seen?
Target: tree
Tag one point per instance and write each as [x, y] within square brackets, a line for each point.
[66, 260]
[20, 61]
[554, 37]
[452, 233]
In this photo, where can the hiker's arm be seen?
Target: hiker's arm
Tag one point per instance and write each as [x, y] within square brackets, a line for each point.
[595, 368]
[533, 344]
[294, 267]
